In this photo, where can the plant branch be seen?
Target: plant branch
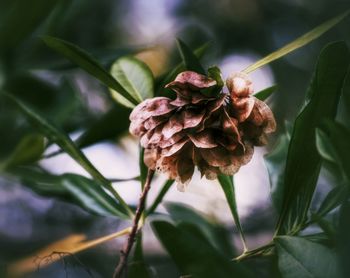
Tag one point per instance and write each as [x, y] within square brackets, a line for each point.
[124, 253]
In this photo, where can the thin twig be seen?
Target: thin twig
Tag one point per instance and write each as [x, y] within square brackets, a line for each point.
[121, 267]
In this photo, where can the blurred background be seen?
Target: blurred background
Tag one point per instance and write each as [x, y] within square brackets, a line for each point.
[239, 32]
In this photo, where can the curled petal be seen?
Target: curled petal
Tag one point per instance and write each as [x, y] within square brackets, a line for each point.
[152, 107]
[243, 107]
[263, 116]
[216, 157]
[174, 148]
[174, 125]
[204, 139]
[191, 118]
[150, 157]
[192, 80]
[239, 85]
[165, 143]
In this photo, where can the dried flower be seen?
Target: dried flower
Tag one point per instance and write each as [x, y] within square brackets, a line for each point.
[214, 132]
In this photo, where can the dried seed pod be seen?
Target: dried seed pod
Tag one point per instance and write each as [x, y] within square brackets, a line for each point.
[214, 132]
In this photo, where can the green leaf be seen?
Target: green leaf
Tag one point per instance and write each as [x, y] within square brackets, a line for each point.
[333, 145]
[303, 161]
[138, 268]
[333, 199]
[166, 186]
[29, 150]
[21, 19]
[214, 73]
[217, 235]
[228, 187]
[54, 134]
[264, 94]
[189, 58]
[298, 257]
[275, 163]
[171, 75]
[135, 77]
[89, 195]
[84, 60]
[192, 253]
[343, 238]
[143, 167]
[299, 42]
[109, 126]
[72, 188]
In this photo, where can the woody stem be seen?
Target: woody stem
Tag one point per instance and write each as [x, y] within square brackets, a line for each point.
[124, 253]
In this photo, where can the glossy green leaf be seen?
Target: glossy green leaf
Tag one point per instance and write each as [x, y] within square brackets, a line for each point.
[192, 253]
[218, 236]
[189, 58]
[90, 195]
[54, 134]
[299, 42]
[29, 150]
[228, 187]
[264, 94]
[299, 257]
[333, 145]
[135, 77]
[333, 199]
[21, 20]
[275, 162]
[303, 161]
[84, 60]
[112, 124]
[171, 75]
[72, 188]
[165, 188]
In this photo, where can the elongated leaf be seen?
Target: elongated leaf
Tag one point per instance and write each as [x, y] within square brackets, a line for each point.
[228, 187]
[264, 94]
[137, 267]
[143, 167]
[299, 42]
[298, 257]
[84, 60]
[191, 252]
[217, 235]
[29, 150]
[170, 76]
[160, 196]
[189, 58]
[303, 161]
[111, 125]
[275, 163]
[90, 195]
[334, 147]
[333, 199]
[60, 138]
[343, 238]
[135, 77]
[20, 20]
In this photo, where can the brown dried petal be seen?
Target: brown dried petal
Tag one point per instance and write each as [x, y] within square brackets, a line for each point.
[204, 139]
[239, 85]
[174, 148]
[243, 107]
[192, 80]
[191, 118]
[174, 125]
[216, 156]
[150, 157]
[262, 115]
[152, 107]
